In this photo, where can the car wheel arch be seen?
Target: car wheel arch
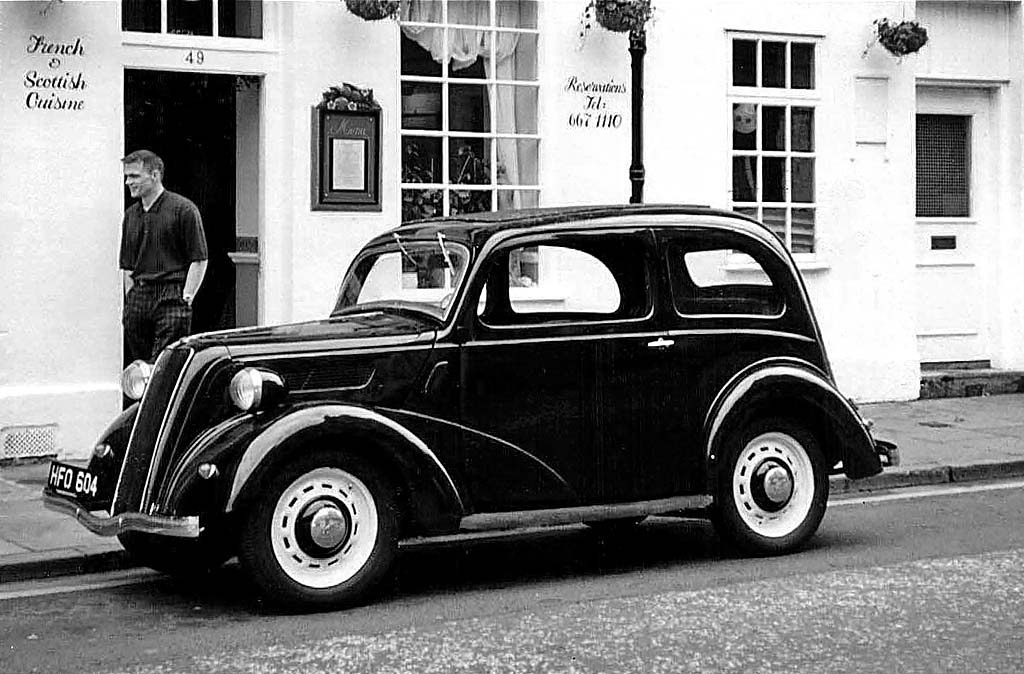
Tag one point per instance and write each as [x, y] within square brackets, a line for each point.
[803, 396]
[417, 475]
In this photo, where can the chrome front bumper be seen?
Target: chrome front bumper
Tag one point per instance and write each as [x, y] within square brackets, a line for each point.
[179, 527]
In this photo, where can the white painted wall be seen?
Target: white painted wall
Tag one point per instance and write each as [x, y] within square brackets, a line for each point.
[60, 193]
[326, 45]
[60, 217]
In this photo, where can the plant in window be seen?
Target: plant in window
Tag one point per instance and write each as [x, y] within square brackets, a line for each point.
[373, 10]
[468, 169]
[900, 38]
[416, 168]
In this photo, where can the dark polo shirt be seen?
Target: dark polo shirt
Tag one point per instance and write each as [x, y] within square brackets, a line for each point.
[161, 243]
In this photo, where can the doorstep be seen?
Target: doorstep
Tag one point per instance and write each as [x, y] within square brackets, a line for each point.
[969, 382]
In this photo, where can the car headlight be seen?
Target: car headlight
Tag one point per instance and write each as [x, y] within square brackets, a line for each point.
[135, 378]
[254, 388]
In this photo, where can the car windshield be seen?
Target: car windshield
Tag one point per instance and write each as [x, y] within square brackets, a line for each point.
[411, 275]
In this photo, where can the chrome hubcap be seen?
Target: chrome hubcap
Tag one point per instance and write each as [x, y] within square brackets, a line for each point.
[776, 482]
[328, 527]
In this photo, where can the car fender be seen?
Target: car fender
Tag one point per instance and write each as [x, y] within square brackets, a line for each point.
[219, 445]
[430, 483]
[767, 384]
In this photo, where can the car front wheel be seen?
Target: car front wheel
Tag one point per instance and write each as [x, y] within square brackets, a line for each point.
[773, 490]
[323, 534]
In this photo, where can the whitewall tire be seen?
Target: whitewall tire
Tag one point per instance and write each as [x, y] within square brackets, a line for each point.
[324, 532]
[773, 487]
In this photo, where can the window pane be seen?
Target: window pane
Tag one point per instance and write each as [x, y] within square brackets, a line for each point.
[518, 199]
[418, 204]
[469, 12]
[803, 230]
[468, 108]
[702, 285]
[773, 64]
[802, 74]
[749, 212]
[523, 267]
[803, 179]
[744, 126]
[943, 166]
[744, 178]
[515, 109]
[517, 13]
[517, 161]
[775, 219]
[774, 136]
[744, 63]
[421, 160]
[523, 64]
[240, 18]
[469, 201]
[469, 161]
[802, 134]
[190, 17]
[140, 15]
[421, 105]
[774, 179]
[417, 61]
[466, 66]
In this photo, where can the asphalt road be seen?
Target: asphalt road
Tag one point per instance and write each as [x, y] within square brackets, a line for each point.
[925, 581]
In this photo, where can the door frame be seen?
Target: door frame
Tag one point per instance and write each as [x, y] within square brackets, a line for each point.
[988, 163]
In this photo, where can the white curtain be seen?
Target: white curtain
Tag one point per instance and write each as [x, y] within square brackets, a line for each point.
[465, 46]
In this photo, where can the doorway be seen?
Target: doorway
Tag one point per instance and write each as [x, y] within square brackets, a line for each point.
[205, 128]
[955, 214]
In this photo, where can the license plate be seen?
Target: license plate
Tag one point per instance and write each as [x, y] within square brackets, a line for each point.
[73, 481]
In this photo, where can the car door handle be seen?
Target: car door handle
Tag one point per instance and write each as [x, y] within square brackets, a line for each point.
[660, 343]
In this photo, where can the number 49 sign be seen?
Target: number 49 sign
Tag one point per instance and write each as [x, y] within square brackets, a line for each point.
[195, 57]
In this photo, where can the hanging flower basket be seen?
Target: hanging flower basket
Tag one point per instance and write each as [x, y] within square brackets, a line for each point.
[900, 39]
[622, 16]
[373, 10]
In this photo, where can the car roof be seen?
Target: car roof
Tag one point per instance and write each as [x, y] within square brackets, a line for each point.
[475, 228]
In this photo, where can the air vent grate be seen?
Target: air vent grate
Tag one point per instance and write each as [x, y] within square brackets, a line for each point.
[23, 442]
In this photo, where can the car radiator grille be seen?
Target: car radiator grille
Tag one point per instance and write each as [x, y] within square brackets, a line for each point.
[155, 403]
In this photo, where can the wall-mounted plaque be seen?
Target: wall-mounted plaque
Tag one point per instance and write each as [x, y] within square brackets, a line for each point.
[346, 160]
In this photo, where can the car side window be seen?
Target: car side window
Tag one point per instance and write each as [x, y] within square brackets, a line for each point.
[592, 278]
[702, 284]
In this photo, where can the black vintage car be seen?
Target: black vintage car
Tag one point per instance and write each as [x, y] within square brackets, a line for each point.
[668, 362]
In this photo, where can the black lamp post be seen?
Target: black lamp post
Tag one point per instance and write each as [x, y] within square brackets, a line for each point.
[637, 49]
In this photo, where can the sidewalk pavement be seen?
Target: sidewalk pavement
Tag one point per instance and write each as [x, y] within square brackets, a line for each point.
[940, 441]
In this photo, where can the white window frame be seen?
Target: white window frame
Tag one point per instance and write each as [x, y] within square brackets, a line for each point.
[213, 41]
[787, 98]
[445, 134]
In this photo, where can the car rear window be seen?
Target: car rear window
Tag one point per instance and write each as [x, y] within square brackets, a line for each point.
[711, 279]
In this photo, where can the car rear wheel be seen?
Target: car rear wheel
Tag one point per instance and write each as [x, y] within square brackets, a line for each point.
[773, 488]
[323, 534]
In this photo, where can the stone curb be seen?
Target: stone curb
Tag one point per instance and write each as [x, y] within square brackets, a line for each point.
[76, 561]
[65, 562]
[917, 477]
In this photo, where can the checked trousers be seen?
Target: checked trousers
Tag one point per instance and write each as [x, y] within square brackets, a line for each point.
[154, 316]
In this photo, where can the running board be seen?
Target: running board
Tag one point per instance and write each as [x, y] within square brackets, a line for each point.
[518, 519]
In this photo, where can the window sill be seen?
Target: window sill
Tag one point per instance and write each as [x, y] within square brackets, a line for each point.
[805, 262]
[209, 42]
[550, 297]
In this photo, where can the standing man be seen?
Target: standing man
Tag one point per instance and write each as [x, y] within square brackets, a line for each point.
[163, 258]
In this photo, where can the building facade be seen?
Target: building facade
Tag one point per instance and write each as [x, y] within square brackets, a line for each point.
[896, 181]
